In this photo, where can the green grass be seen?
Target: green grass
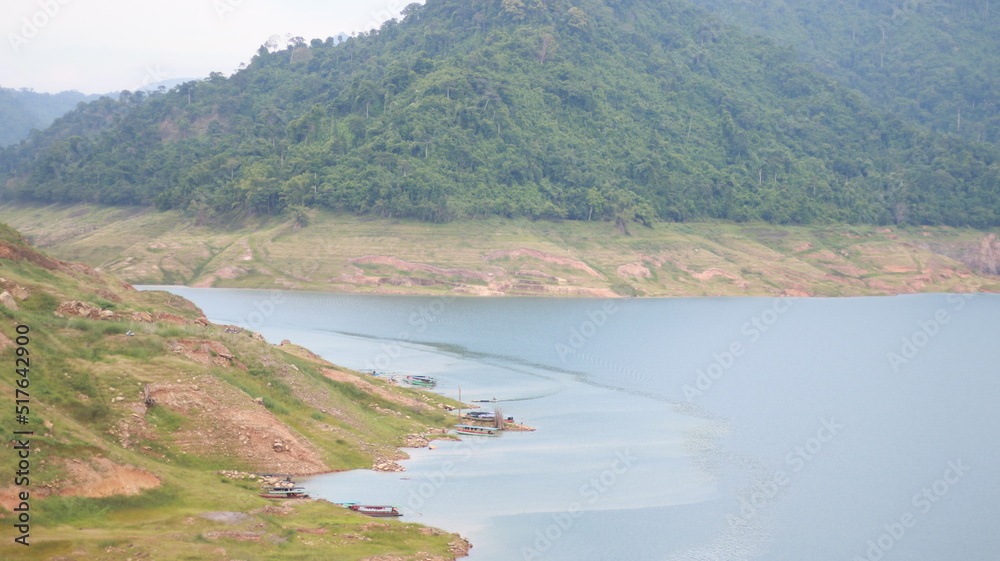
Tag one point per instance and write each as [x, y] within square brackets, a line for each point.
[93, 513]
[40, 302]
[84, 366]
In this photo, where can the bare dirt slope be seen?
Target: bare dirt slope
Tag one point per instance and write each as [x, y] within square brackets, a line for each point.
[139, 407]
[518, 257]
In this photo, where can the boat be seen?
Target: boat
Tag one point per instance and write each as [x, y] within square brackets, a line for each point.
[421, 381]
[481, 431]
[494, 400]
[376, 511]
[485, 417]
[296, 493]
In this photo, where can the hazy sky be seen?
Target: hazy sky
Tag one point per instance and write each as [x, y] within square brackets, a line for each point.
[100, 46]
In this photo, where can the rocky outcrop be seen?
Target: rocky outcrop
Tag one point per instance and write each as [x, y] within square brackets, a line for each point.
[415, 441]
[205, 352]
[7, 300]
[230, 425]
[633, 270]
[15, 290]
[83, 310]
[385, 464]
[986, 257]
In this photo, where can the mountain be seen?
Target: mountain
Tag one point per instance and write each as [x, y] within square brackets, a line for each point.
[24, 110]
[618, 110]
[932, 62]
[145, 421]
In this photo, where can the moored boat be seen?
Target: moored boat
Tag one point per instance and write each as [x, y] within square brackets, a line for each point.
[472, 429]
[484, 416]
[421, 381]
[376, 510]
[296, 493]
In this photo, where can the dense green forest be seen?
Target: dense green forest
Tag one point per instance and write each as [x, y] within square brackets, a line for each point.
[23, 110]
[624, 110]
[932, 62]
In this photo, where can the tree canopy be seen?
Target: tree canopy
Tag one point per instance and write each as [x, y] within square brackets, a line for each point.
[619, 110]
[932, 62]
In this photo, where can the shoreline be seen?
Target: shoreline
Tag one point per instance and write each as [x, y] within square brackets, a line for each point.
[431, 295]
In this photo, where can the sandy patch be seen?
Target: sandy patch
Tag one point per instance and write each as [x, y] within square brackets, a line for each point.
[633, 270]
[796, 293]
[547, 257]
[207, 282]
[419, 267]
[582, 291]
[100, 477]
[713, 272]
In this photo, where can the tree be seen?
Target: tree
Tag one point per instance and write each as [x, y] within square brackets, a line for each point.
[578, 18]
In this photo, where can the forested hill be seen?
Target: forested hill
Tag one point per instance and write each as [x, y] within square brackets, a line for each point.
[930, 61]
[624, 110]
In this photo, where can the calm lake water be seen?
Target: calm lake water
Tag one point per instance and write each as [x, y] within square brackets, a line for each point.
[682, 429]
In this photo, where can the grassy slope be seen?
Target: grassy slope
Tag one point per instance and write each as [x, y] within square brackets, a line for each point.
[86, 390]
[668, 260]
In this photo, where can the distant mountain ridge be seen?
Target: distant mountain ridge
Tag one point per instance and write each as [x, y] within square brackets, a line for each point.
[621, 110]
[23, 110]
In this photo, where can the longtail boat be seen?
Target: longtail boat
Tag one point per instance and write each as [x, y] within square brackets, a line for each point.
[376, 511]
[296, 493]
[472, 429]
